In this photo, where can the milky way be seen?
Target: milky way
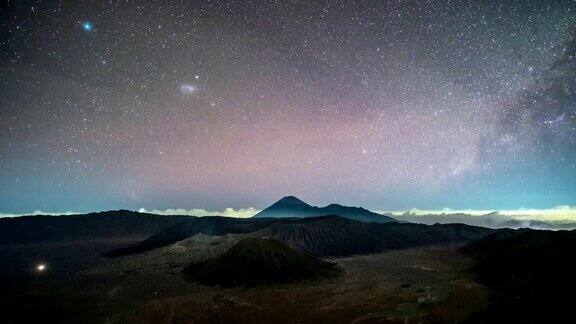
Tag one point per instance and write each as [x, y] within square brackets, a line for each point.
[214, 104]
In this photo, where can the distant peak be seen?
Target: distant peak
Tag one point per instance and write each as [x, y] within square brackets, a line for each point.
[290, 200]
[293, 207]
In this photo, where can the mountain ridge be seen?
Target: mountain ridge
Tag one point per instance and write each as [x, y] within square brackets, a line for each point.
[293, 207]
[322, 236]
[97, 225]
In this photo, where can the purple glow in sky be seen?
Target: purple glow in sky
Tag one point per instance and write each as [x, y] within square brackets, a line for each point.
[387, 105]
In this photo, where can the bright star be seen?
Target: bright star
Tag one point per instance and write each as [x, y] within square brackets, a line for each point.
[87, 26]
[41, 267]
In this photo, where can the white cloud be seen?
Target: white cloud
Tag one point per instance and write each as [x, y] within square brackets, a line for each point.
[40, 212]
[558, 213]
[229, 212]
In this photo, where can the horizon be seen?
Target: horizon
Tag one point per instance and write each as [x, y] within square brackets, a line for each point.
[554, 214]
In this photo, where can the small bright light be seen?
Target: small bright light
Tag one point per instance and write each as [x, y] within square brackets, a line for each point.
[87, 26]
[41, 267]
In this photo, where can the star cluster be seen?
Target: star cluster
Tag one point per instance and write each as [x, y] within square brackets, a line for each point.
[214, 104]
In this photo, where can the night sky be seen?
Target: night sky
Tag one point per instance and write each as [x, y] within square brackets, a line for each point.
[213, 104]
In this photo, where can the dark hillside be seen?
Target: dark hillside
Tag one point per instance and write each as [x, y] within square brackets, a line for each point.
[531, 273]
[332, 236]
[325, 236]
[257, 261]
[103, 225]
[209, 225]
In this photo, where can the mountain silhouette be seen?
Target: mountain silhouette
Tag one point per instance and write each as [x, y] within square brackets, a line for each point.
[326, 236]
[209, 225]
[323, 236]
[291, 206]
[103, 225]
[257, 261]
[335, 236]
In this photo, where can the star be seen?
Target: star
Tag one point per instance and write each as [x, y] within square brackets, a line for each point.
[87, 26]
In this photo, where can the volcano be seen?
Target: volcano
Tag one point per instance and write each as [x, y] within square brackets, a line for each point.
[292, 207]
[258, 261]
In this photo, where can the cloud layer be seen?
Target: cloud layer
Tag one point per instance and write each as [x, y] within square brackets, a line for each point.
[558, 213]
[228, 212]
[560, 217]
[40, 212]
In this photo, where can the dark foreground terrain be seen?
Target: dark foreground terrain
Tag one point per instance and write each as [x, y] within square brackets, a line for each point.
[284, 270]
[421, 285]
[259, 261]
[530, 274]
